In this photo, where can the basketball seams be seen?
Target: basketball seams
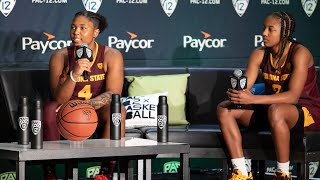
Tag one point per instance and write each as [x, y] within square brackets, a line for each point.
[70, 117]
[70, 133]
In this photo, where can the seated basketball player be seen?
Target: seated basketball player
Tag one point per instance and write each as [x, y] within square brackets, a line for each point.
[292, 102]
[66, 75]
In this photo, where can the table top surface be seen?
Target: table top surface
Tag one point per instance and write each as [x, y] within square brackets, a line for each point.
[65, 149]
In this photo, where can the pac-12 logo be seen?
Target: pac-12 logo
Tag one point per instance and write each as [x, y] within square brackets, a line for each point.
[309, 6]
[240, 6]
[92, 5]
[6, 6]
[169, 6]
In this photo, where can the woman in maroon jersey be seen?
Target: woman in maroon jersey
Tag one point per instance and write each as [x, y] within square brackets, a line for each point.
[291, 103]
[105, 75]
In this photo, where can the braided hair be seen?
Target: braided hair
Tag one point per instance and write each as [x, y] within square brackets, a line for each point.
[98, 20]
[288, 25]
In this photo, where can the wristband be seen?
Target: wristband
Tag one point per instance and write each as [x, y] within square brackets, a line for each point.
[72, 77]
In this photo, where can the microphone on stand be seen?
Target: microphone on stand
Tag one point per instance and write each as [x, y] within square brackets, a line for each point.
[238, 82]
[84, 52]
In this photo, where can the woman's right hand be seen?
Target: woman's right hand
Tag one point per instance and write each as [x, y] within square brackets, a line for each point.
[81, 65]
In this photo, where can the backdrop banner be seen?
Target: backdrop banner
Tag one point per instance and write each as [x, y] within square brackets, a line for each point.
[204, 33]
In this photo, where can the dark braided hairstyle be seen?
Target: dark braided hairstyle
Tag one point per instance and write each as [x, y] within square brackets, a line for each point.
[98, 20]
[288, 25]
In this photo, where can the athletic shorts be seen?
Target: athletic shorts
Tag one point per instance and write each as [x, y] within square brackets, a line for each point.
[261, 122]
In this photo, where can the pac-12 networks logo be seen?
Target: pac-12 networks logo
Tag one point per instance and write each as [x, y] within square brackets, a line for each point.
[6, 6]
[92, 5]
[35, 45]
[309, 6]
[201, 43]
[134, 42]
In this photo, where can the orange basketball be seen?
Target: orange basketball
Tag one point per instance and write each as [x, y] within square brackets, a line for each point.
[77, 120]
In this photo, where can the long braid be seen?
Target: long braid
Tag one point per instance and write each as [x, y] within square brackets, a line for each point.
[287, 29]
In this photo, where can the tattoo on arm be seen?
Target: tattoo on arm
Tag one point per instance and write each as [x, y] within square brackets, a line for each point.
[101, 100]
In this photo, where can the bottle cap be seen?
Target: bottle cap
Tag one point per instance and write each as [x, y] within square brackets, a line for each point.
[116, 97]
[162, 99]
[23, 100]
[37, 103]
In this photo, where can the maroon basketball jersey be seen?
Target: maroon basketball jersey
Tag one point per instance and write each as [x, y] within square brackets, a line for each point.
[95, 84]
[277, 81]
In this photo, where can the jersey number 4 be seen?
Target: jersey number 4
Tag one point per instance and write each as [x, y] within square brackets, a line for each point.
[85, 92]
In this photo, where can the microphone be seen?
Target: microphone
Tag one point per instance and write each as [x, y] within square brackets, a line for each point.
[84, 52]
[238, 82]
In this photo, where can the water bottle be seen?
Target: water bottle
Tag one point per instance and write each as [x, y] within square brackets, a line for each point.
[162, 120]
[115, 117]
[23, 121]
[37, 125]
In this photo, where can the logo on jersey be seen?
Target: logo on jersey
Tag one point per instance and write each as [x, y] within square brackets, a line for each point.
[169, 6]
[240, 6]
[134, 42]
[92, 5]
[36, 45]
[100, 65]
[309, 6]
[202, 43]
[6, 6]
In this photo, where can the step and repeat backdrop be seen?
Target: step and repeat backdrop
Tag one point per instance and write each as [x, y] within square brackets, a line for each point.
[215, 33]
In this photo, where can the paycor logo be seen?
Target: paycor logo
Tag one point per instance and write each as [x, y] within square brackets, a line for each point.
[29, 43]
[134, 43]
[202, 43]
[258, 40]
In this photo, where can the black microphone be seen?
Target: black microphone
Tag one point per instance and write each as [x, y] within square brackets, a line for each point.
[84, 52]
[238, 82]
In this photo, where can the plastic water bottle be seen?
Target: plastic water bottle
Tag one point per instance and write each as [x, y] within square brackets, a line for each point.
[37, 125]
[162, 120]
[115, 117]
[23, 121]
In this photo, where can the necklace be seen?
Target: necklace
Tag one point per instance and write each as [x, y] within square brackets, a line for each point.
[276, 63]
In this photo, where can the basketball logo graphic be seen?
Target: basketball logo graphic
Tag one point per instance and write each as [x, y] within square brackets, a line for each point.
[35, 126]
[169, 6]
[92, 5]
[240, 6]
[116, 119]
[86, 114]
[6, 6]
[309, 6]
[162, 121]
[23, 123]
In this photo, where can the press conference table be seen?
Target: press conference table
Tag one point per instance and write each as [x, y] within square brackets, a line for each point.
[127, 148]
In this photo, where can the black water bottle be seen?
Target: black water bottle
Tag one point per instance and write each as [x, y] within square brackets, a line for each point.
[23, 121]
[36, 125]
[162, 120]
[115, 117]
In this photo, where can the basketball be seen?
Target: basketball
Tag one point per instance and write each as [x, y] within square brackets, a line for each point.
[77, 120]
